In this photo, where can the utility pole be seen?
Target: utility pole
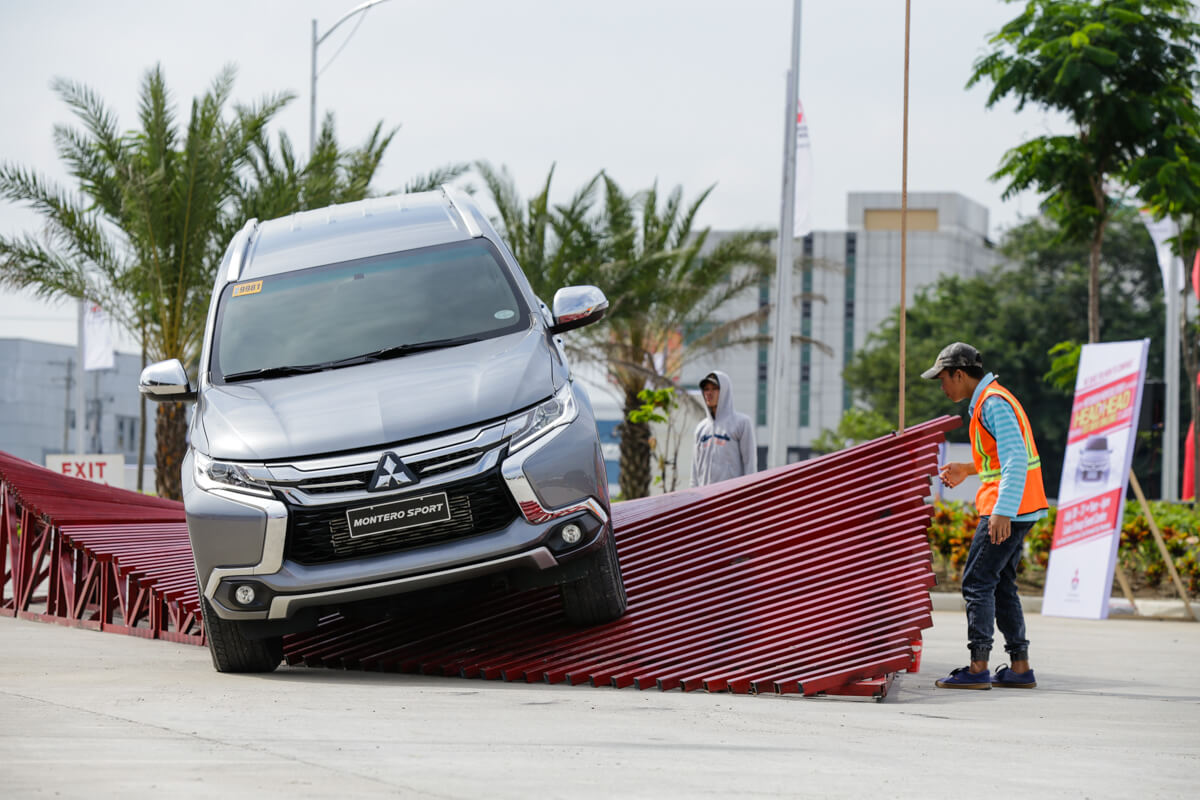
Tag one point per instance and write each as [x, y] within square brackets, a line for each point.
[1170, 466]
[1171, 266]
[141, 445]
[70, 380]
[68, 384]
[95, 416]
[79, 412]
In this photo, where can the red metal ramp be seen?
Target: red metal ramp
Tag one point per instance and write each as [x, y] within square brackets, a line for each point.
[810, 578]
[79, 553]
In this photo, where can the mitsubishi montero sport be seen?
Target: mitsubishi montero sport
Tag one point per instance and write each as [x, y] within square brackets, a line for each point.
[382, 406]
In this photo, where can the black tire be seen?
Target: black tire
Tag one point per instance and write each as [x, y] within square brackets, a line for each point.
[231, 651]
[599, 596]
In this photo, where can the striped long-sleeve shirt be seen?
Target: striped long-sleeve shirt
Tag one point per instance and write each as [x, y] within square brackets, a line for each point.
[1000, 421]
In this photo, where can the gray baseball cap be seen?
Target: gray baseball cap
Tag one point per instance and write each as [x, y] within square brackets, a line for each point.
[959, 354]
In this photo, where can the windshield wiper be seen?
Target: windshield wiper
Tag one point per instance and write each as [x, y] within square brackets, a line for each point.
[394, 351]
[274, 372]
[398, 350]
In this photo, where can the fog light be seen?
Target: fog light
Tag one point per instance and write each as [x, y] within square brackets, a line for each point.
[244, 594]
[572, 533]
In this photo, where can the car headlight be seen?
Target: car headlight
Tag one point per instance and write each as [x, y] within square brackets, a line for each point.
[531, 425]
[212, 474]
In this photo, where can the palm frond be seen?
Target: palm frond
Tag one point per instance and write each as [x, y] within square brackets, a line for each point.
[447, 173]
[98, 120]
[503, 192]
[798, 338]
[689, 216]
[360, 165]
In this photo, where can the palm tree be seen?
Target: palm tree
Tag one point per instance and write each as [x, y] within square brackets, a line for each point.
[666, 281]
[276, 182]
[140, 233]
[668, 285]
[153, 208]
[552, 244]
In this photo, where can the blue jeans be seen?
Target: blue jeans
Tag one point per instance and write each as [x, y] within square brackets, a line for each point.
[989, 586]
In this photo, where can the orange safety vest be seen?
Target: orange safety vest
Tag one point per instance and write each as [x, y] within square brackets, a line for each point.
[987, 458]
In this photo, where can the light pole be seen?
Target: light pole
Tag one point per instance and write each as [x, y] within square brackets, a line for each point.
[316, 40]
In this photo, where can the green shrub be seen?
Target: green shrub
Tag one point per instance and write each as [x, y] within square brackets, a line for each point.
[952, 528]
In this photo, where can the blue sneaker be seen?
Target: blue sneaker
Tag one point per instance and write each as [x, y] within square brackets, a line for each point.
[963, 678]
[1007, 679]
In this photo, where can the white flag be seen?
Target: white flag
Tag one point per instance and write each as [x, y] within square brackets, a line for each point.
[1160, 231]
[801, 224]
[97, 338]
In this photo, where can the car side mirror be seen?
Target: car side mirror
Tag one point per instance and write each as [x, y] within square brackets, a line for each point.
[166, 381]
[576, 306]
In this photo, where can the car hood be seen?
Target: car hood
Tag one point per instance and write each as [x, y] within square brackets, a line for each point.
[374, 405]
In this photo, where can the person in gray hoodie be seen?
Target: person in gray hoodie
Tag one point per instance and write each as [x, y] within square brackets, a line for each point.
[724, 438]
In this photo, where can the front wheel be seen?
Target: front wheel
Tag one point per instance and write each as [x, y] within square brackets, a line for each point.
[598, 596]
[232, 651]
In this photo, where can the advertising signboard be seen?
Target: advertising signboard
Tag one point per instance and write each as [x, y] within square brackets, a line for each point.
[1091, 494]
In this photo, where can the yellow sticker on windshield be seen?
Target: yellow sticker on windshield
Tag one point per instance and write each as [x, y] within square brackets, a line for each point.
[254, 287]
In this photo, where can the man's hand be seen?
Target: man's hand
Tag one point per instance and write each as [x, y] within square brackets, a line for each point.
[954, 473]
[999, 528]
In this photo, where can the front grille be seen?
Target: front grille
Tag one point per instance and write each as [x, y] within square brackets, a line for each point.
[357, 481]
[351, 482]
[321, 535]
[436, 466]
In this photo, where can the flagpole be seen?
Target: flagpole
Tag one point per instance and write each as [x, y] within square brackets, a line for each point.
[780, 381]
[904, 224]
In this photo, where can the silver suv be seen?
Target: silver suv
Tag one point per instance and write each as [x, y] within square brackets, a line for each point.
[382, 406]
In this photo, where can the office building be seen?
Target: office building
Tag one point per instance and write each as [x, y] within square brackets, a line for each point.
[848, 283]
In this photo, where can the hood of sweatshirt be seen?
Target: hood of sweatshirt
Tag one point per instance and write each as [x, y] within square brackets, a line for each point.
[724, 401]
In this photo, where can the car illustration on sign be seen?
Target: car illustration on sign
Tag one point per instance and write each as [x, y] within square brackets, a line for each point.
[1094, 460]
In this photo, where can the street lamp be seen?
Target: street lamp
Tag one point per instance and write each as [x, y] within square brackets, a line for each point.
[316, 40]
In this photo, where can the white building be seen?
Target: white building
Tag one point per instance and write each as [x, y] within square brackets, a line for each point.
[38, 390]
[856, 275]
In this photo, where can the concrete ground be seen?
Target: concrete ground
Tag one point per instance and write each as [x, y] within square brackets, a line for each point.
[84, 714]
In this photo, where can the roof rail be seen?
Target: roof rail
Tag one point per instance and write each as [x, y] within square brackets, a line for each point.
[464, 214]
[240, 244]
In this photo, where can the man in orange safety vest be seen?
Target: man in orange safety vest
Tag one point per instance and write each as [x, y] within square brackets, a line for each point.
[1011, 498]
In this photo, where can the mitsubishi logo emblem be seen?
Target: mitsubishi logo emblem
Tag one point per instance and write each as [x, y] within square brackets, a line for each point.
[391, 473]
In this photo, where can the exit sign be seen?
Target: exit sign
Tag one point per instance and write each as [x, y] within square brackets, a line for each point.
[106, 468]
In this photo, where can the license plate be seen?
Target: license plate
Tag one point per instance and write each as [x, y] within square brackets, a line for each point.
[411, 512]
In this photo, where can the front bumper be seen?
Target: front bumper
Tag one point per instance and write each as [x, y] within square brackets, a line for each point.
[240, 539]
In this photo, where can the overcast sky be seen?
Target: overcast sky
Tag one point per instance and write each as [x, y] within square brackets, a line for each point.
[685, 92]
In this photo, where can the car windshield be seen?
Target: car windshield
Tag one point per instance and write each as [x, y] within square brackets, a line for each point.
[380, 307]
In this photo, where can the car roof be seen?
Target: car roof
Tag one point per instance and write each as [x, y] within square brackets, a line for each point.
[357, 230]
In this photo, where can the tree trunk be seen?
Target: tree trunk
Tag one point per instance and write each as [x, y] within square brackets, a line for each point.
[1094, 286]
[141, 445]
[635, 453]
[170, 431]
